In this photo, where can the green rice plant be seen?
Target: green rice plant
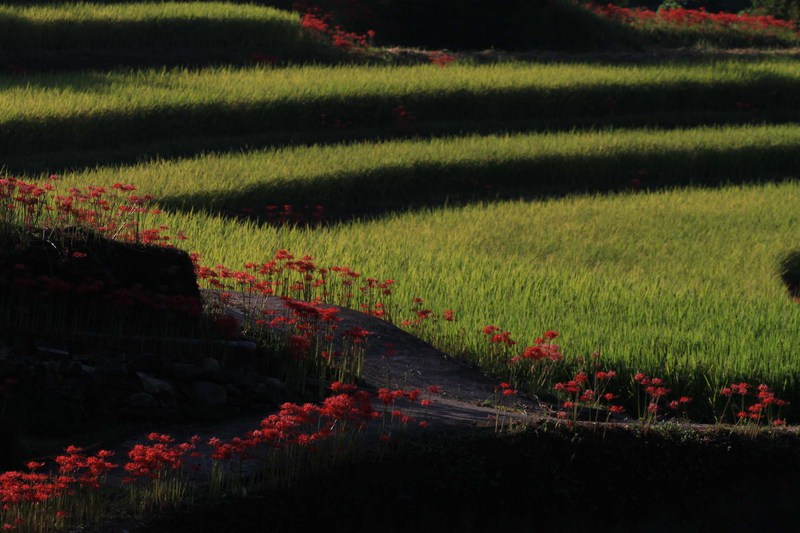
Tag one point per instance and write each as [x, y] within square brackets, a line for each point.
[102, 111]
[373, 178]
[169, 24]
[680, 283]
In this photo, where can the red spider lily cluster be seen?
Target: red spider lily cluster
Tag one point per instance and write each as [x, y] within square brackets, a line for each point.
[654, 392]
[753, 406]
[304, 325]
[587, 392]
[502, 391]
[149, 461]
[34, 501]
[114, 212]
[543, 348]
[290, 276]
[38, 501]
[537, 363]
[314, 19]
[441, 59]
[505, 389]
[395, 401]
[66, 227]
[423, 317]
[498, 337]
[695, 18]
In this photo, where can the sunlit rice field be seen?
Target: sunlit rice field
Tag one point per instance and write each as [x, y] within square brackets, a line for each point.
[128, 91]
[104, 110]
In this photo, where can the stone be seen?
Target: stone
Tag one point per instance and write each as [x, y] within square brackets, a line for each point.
[210, 365]
[235, 376]
[72, 368]
[112, 365]
[73, 389]
[276, 389]
[242, 354]
[183, 371]
[142, 400]
[209, 394]
[11, 456]
[261, 393]
[144, 362]
[155, 386]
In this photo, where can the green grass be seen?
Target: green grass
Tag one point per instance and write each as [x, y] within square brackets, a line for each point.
[683, 283]
[109, 110]
[187, 24]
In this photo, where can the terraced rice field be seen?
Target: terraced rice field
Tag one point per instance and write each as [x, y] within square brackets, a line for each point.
[642, 210]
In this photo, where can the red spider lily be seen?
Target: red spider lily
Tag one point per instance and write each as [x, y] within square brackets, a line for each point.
[763, 408]
[682, 17]
[317, 21]
[150, 461]
[339, 387]
[357, 335]
[539, 351]
[441, 59]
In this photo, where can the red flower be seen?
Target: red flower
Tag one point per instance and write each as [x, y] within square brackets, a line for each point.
[357, 335]
[339, 387]
[441, 59]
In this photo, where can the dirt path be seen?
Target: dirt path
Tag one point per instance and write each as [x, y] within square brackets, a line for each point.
[467, 399]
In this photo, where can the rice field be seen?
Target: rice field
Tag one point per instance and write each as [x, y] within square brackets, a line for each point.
[108, 110]
[641, 210]
[59, 26]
